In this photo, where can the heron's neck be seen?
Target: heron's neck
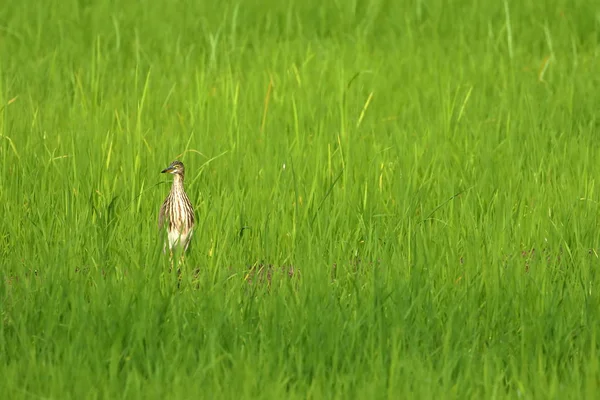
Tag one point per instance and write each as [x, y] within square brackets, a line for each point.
[177, 182]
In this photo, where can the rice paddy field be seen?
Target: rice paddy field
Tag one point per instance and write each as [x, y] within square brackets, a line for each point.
[394, 199]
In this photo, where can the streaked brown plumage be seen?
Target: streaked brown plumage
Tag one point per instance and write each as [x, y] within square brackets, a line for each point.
[177, 211]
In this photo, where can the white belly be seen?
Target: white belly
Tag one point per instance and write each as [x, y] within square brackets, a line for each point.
[181, 239]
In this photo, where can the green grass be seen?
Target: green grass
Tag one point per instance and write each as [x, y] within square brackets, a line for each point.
[394, 199]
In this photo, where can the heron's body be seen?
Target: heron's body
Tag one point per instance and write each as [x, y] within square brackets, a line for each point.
[177, 212]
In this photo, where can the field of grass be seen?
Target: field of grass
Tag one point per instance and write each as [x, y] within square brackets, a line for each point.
[395, 199]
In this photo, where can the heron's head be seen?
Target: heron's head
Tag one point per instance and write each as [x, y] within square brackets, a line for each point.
[176, 168]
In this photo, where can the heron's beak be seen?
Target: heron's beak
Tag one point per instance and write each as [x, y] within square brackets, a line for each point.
[168, 169]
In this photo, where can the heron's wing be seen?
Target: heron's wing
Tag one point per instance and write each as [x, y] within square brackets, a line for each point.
[161, 215]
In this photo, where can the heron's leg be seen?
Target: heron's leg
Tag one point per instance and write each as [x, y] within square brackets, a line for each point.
[171, 260]
[179, 267]
[179, 274]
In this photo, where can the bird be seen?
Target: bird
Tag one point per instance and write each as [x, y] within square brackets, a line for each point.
[177, 212]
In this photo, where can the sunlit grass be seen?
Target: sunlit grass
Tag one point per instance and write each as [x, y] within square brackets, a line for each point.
[393, 200]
